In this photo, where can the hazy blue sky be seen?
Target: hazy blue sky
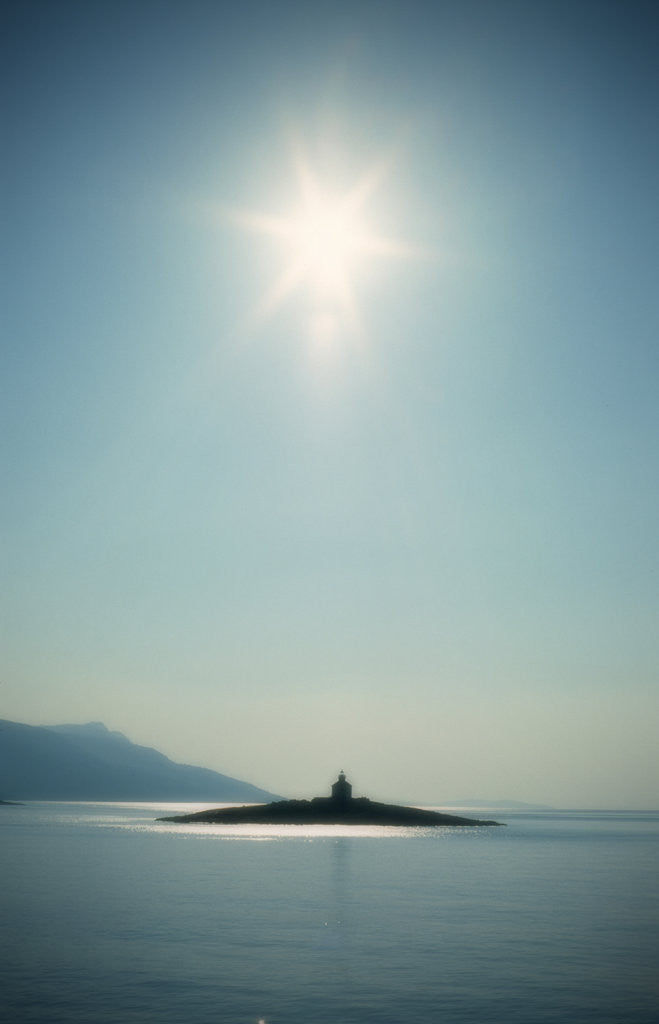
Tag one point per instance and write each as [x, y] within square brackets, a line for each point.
[403, 522]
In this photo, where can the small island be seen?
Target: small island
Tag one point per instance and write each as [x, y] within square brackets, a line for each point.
[341, 808]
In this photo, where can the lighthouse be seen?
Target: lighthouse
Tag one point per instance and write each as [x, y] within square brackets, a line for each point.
[341, 790]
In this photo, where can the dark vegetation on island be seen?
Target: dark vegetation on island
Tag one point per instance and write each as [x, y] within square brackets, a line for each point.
[341, 808]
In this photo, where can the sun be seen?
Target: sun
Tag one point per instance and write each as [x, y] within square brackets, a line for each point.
[327, 244]
[326, 241]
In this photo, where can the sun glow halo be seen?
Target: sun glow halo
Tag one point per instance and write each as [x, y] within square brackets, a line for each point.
[326, 244]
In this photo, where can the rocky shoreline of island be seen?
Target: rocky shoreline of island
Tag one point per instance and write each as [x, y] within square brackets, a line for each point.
[311, 812]
[341, 808]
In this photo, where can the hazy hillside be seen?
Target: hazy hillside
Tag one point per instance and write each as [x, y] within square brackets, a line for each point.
[88, 762]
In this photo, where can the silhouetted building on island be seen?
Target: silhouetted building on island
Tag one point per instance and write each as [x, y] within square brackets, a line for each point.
[341, 790]
[340, 808]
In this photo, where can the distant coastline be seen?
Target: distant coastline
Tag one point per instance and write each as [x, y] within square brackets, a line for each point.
[91, 762]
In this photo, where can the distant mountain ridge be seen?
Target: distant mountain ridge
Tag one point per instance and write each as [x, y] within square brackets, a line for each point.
[89, 762]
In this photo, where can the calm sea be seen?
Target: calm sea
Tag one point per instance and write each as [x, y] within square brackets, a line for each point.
[108, 916]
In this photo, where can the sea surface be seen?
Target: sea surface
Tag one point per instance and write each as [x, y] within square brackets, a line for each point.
[109, 916]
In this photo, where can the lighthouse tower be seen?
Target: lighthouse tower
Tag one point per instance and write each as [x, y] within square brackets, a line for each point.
[341, 790]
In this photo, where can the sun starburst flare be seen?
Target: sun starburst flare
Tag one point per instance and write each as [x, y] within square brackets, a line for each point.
[327, 245]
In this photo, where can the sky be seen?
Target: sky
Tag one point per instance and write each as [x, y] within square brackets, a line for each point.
[329, 375]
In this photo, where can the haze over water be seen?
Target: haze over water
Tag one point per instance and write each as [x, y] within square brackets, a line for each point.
[329, 389]
[109, 916]
[329, 417]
